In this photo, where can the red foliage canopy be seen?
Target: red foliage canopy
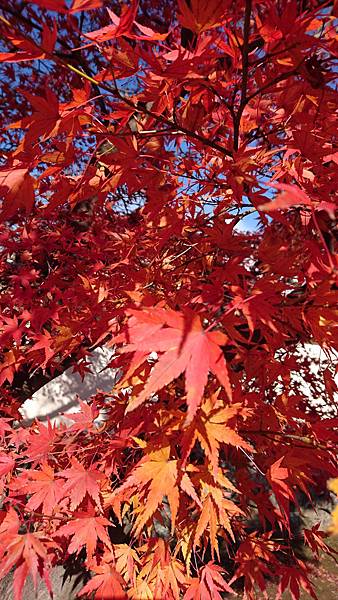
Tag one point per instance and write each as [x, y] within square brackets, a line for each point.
[167, 176]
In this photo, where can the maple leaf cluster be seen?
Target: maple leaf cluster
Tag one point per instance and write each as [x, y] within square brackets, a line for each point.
[167, 179]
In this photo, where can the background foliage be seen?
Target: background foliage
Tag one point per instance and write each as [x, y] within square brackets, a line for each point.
[137, 140]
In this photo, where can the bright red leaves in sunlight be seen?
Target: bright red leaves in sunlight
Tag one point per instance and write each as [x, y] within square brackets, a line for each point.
[168, 184]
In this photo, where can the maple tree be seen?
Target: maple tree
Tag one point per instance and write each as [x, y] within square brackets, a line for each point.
[137, 140]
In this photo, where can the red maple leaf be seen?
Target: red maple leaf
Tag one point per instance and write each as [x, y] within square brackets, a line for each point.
[26, 50]
[26, 551]
[4, 427]
[184, 346]
[86, 529]
[45, 489]
[278, 476]
[291, 195]
[107, 584]
[43, 342]
[84, 419]
[81, 481]
[11, 329]
[44, 121]
[121, 25]
[41, 441]
[17, 185]
[201, 15]
[7, 463]
[295, 578]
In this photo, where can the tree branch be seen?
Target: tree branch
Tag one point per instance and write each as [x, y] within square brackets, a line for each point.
[25, 384]
[245, 67]
[114, 91]
[305, 441]
[79, 59]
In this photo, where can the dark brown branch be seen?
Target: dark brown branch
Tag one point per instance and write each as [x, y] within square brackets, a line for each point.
[245, 68]
[25, 384]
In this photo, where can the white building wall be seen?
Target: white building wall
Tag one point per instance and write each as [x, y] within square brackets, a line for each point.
[62, 393]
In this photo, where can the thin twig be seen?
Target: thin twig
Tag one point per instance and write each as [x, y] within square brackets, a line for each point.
[273, 82]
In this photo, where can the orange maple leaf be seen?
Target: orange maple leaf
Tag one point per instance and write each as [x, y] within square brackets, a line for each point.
[211, 428]
[217, 510]
[79, 5]
[333, 486]
[154, 477]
